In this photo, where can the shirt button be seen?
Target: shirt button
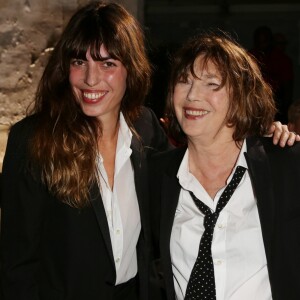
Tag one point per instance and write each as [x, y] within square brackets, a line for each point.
[118, 260]
[218, 262]
[221, 226]
[118, 231]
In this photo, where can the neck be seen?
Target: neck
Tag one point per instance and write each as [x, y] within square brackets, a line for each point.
[110, 130]
[214, 151]
[212, 163]
[215, 154]
[107, 147]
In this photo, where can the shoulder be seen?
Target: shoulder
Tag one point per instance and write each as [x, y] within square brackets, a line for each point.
[263, 146]
[150, 132]
[267, 144]
[25, 126]
[145, 119]
[20, 134]
[169, 155]
[169, 160]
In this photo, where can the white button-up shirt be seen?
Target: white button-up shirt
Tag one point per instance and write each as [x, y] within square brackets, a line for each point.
[121, 207]
[238, 252]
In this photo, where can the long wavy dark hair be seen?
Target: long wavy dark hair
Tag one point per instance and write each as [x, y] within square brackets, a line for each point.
[64, 145]
[252, 108]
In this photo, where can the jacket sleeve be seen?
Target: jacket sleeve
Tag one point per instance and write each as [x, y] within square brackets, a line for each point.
[21, 221]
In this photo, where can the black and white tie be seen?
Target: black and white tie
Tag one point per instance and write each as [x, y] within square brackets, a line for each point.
[201, 284]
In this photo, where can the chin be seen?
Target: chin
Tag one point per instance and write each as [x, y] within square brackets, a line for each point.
[90, 113]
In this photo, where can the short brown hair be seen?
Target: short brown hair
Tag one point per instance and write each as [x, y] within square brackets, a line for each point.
[252, 108]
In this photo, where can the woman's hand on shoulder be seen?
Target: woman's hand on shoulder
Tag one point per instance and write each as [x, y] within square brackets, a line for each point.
[282, 136]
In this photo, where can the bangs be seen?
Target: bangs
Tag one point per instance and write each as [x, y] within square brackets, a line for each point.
[92, 37]
[186, 66]
[182, 69]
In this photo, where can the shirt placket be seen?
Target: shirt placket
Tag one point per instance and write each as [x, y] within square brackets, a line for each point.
[117, 232]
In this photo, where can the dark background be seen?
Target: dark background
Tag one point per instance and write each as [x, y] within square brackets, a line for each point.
[169, 22]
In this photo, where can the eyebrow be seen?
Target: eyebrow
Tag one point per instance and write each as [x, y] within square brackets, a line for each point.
[210, 76]
[205, 75]
[101, 58]
[98, 59]
[105, 58]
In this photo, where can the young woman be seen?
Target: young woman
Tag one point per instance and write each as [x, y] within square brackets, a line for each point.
[218, 237]
[74, 199]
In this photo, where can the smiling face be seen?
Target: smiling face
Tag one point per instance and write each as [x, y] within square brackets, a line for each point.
[201, 104]
[99, 85]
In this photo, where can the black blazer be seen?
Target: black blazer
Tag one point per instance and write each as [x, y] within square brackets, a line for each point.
[275, 176]
[51, 251]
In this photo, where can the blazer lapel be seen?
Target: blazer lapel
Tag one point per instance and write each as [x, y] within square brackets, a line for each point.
[259, 171]
[99, 209]
[169, 201]
[139, 163]
[169, 196]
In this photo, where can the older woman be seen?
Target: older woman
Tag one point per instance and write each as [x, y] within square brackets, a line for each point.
[228, 200]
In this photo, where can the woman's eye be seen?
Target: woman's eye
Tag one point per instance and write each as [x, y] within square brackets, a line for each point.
[109, 64]
[77, 62]
[213, 84]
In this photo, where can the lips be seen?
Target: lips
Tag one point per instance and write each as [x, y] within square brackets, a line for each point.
[93, 97]
[194, 113]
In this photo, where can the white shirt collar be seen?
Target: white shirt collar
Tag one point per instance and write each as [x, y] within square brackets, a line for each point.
[124, 132]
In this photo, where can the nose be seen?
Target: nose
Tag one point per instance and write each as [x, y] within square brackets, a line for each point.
[92, 74]
[194, 93]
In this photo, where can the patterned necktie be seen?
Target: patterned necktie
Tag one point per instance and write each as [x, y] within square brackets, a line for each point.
[201, 284]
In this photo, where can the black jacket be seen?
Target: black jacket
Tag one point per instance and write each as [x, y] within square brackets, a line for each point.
[275, 177]
[51, 251]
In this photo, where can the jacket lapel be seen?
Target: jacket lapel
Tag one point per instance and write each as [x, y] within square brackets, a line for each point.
[139, 163]
[169, 201]
[259, 171]
[99, 209]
